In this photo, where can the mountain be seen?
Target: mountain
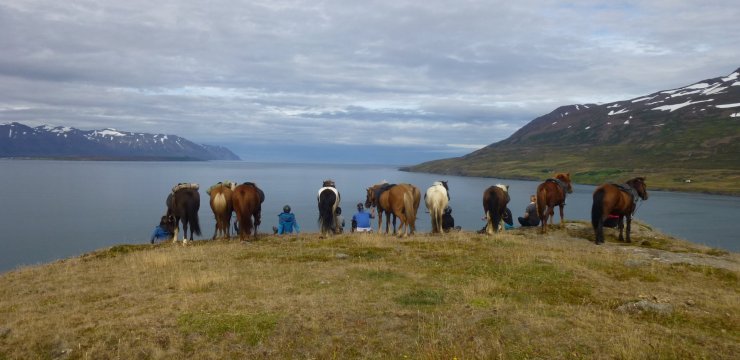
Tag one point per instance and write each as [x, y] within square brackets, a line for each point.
[687, 138]
[18, 140]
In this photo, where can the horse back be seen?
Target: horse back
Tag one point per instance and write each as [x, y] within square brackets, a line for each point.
[614, 200]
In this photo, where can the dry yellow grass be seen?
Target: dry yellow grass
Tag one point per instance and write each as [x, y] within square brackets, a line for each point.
[461, 295]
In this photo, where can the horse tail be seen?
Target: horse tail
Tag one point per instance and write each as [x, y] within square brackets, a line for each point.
[597, 209]
[243, 215]
[541, 203]
[327, 201]
[219, 204]
[492, 213]
[192, 216]
[408, 208]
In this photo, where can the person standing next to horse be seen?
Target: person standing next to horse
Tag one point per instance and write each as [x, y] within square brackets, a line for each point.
[361, 220]
[287, 222]
[530, 213]
[340, 221]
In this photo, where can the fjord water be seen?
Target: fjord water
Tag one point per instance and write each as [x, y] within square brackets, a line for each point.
[56, 209]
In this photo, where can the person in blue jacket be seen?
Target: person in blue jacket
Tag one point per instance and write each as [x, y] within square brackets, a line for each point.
[165, 230]
[361, 220]
[287, 222]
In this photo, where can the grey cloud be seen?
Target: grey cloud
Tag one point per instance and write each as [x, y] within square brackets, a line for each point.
[437, 72]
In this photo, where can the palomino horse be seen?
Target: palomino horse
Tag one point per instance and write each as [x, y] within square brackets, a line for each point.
[552, 193]
[183, 203]
[495, 200]
[619, 200]
[399, 200]
[437, 198]
[247, 199]
[222, 207]
[328, 199]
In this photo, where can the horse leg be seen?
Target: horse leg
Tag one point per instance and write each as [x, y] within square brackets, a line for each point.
[177, 230]
[215, 231]
[629, 227]
[600, 232]
[562, 220]
[544, 220]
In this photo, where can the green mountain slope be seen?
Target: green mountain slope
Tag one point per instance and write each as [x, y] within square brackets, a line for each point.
[685, 139]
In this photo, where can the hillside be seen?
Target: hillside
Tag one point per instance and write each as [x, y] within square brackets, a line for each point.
[108, 144]
[670, 136]
[461, 295]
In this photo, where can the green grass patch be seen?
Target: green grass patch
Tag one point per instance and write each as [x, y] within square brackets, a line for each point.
[250, 328]
[422, 297]
[378, 275]
[544, 282]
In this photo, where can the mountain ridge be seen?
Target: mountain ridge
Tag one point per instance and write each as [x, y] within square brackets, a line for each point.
[63, 142]
[687, 138]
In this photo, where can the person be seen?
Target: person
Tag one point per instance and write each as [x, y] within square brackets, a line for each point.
[361, 220]
[340, 221]
[508, 219]
[287, 222]
[165, 230]
[530, 213]
[448, 222]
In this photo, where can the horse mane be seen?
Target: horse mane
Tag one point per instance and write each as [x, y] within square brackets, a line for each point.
[503, 187]
[329, 183]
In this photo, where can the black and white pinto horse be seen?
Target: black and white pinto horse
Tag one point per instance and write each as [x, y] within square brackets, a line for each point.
[183, 203]
[328, 199]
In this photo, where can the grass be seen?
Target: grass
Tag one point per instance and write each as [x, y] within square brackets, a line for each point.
[715, 173]
[463, 295]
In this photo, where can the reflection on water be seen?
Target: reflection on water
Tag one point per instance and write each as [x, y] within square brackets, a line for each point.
[56, 209]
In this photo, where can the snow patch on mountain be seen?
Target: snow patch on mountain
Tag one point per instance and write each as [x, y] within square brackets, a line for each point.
[622, 111]
[675, 107]
[725, 106]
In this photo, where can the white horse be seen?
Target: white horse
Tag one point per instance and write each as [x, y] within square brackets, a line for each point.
[436, 199]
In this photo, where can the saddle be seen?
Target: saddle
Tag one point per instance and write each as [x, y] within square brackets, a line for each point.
[226, 183]
[380, 190]
[259, 191]
[629, 190]
[561, 184]
[181, 186]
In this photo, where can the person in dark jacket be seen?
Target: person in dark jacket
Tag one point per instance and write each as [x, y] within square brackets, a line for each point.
[448, 222]
[530, 213]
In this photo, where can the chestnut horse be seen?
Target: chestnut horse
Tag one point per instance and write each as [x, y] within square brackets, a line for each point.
[495, 200]
[618, 200]
[401, 201]
[183, 203]
[552, 193]
[247, 199]
[328, 201]
[222, 207]
[436, 198]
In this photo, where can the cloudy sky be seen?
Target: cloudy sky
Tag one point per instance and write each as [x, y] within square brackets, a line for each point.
[346, 81]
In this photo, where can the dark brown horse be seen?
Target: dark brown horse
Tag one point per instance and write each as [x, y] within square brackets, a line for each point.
[183, 203]
[552, 193]
[401, 201]
[495, 200]
[247, 199]
[222, 206]
[618, 200]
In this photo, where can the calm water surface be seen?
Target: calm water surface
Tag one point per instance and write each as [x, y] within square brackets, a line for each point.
[56, 209]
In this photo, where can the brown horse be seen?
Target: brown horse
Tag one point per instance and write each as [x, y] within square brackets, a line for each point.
[247, 199]
[619, 200]
[401, 201]
[183, 203]
[222, 207]
[552, 193]
[495, 200]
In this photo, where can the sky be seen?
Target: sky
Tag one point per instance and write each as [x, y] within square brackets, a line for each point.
[345, 81]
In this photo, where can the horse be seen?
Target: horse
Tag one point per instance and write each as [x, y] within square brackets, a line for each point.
[619, 200]
[399, 200]
[247, 199]
[437, 198]
[495, 200]
[552, 193]
[222, 207]
[328, 201]
[183, 203]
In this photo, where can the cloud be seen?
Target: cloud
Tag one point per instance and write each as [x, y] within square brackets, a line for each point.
[439, 76]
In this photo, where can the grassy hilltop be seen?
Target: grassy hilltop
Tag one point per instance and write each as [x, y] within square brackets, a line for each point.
[457, 296]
